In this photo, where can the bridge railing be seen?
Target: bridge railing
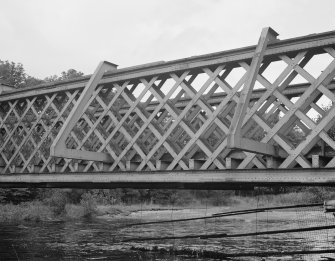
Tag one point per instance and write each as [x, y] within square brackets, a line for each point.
[177, 115]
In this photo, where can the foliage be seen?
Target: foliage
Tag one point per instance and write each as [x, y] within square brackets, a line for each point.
[219, 198]
[74, 204]
[74, 211]
[57, 200]
[12, 73]
[32, 81]
[79, 211]
[17, 196]
[296, 136]
[32, 211]
[89, 204]
[331, 131]
[65, 75]
[105, 196]
[130, 196]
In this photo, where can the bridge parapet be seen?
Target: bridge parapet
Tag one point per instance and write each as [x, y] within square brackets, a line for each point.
[177, 115]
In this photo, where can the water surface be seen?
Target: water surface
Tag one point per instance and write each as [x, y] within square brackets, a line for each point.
[99, 238]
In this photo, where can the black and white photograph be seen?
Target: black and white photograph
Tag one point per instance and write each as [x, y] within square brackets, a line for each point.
[167, 130]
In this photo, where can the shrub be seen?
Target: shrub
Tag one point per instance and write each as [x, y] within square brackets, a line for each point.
[74, 211]
[10, 213]
[89, 204]
[182, 198]
[36, 211]
[32, 211]
[57, 200]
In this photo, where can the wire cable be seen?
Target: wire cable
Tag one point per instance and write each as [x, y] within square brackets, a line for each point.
[224, 214]
[224, 235]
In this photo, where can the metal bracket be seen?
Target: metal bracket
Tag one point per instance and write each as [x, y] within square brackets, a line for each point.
[235, 140]
[58, 147]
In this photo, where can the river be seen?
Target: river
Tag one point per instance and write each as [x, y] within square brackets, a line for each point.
[99, 238]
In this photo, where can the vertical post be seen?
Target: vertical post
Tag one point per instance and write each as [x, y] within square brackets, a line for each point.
[232, 163]
[58, 147]
[234, 136]
[318, 161]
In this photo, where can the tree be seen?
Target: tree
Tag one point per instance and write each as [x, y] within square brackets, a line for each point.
[32, 81]
[13, 73]
[65, 75]
[52, 78]
[71, 74]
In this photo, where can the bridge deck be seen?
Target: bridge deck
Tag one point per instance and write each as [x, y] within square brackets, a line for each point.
[208, 179]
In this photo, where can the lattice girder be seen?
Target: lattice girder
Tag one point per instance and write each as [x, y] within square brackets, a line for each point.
[37, 124]
[190, 126]
[178, 115]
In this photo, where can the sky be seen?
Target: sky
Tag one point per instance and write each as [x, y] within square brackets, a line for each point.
[49, 37]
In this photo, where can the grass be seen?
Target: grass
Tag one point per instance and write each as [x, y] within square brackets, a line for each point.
[235, 202]
[55, 207]
[31, 211]
[292, 198]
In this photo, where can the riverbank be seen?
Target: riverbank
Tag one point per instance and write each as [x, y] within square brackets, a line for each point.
[237, 203]
[58, 207]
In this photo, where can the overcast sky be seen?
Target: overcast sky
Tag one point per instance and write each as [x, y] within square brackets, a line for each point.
[48, 37]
